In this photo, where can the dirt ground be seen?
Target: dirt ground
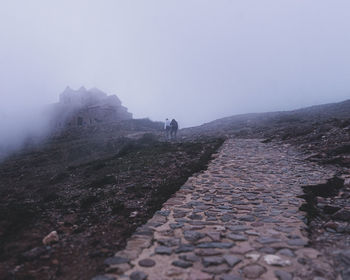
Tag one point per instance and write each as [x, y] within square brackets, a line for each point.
[94, 206]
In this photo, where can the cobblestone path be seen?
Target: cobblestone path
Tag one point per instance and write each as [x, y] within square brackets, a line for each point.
[239, 219]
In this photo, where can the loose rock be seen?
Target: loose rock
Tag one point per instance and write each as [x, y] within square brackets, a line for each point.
[52, 237]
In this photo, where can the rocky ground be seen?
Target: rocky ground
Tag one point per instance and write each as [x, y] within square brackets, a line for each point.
[322, 132]
[239, 219]
[328, 220]
[94, 206]
[96, 185]
[322, 135]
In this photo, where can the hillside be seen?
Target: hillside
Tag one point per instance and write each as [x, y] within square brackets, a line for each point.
[96, 184]
[255, 122]
[323, 130]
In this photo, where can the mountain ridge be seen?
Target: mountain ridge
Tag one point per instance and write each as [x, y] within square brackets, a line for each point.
[323, 111]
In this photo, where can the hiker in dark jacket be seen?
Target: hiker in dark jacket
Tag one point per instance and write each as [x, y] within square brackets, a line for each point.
[174, 127]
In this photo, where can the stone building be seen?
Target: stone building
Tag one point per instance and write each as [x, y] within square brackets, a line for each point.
[84, 107]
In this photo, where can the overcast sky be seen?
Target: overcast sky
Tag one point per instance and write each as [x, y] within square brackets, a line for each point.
[193, 60]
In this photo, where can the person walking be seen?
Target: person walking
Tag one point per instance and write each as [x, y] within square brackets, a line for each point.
[167, 129]
[174, 127]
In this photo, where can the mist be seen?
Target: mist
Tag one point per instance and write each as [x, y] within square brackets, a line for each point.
[193, 60]
[21, 126]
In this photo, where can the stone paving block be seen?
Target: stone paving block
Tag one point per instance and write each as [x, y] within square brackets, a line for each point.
[236, 237]
[184, 248]
[208, 261]
[276, 260]
[163, 250]
[230, 277]
[217, 270]
[283, 275]
[253, 271]
[239, 219]
[147, 263]
[232, 260]
[138, 275]
[182, 264]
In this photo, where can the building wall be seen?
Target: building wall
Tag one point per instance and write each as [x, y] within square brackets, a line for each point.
[84, 108]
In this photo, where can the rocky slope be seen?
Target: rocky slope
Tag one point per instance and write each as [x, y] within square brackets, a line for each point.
[322, 131]
[93, 187]
[321, 134]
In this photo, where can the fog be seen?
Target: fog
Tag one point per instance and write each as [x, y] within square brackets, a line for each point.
[193, 60]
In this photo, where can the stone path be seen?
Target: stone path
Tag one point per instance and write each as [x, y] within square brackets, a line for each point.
[239, 219]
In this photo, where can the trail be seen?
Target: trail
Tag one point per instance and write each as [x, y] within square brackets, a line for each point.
[239, 219]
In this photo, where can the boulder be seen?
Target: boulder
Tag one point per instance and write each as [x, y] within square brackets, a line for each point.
[52, 237]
